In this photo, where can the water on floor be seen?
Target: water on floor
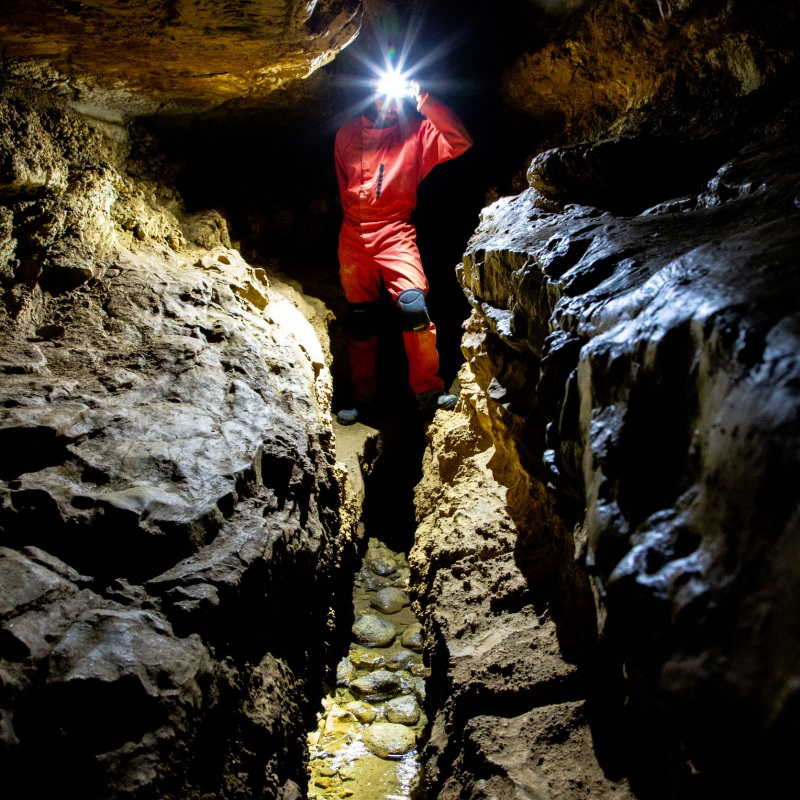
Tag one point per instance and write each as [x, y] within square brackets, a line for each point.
[365, 745]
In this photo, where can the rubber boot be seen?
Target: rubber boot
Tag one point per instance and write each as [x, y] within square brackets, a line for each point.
[435, 399]
[361, 407]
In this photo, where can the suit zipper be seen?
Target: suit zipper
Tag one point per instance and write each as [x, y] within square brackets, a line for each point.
[380, 180]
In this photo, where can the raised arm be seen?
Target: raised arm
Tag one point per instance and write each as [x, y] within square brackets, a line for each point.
[442, 134]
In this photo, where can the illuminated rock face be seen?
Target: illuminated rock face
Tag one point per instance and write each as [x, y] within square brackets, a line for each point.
[618, 66]
[170, 504]
[637, 362]
[117, 58]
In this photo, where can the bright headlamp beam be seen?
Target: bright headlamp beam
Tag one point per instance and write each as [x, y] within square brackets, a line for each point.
[392, 85]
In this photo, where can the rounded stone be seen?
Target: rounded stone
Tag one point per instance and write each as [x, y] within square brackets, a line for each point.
[367, 659]
[412, 637]
[383, 566]
[376, 685]
[403, 710]
[387, 739]
[363, 712]
[389, 601]
[402, 659]
[420, 671]
[373, 632]
[419, 690]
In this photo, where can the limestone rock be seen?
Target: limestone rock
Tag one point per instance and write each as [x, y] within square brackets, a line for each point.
[134, 653]
[386, 739]
[403, 710]
[401, 660]
[383, 566]
[613, 68]
[345, 672]
[389, 601]
[549, 746]
[367, 659]
[363, 712]
[615, 361]
[376, 685]
[373, 632]
[183, 59]
[412, 637]
[23, 359]
[167, 475]
[377, 552]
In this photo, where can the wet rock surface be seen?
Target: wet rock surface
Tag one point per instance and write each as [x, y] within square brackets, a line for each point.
[629, 413]
[168, 483]
[368, 730]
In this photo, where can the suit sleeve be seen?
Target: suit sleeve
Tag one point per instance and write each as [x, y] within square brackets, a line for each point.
[442, 134]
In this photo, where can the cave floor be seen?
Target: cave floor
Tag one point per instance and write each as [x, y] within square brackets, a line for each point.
[365, 742]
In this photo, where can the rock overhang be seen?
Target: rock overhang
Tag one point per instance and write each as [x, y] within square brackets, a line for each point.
[117, 60]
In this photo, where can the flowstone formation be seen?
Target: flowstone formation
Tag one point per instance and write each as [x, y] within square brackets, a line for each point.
[365, 742]
[117, 58]
[633, 370]
[172, 514]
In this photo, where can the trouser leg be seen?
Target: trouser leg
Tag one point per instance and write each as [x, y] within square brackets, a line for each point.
[404, 277]
[361, 283]
[362, 348]
[423, 359]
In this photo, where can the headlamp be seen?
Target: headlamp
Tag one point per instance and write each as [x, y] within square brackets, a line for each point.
[392, 84]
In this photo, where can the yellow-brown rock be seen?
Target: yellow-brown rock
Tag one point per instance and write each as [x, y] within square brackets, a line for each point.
[613, 62]
[117, 58]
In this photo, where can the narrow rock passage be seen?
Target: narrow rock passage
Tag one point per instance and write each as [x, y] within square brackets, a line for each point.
[365, 743]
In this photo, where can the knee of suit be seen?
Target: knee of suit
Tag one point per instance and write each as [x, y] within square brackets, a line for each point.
[363, 320]
[414, 312]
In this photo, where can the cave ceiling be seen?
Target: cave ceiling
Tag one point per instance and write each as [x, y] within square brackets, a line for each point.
[118, 59]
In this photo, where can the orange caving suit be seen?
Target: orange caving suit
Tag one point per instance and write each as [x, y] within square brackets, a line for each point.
[379, 170]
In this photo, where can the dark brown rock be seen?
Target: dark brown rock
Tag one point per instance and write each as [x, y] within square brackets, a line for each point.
[168, 486]
[658, 400]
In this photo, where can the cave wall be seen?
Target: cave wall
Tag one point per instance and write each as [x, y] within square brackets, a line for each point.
[673, 68]
[172, 516]
[632, 368]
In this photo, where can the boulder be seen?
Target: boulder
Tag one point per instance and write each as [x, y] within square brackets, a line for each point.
[389, 601]
[403, 710]
[386, 739]
[376, 685]
[373, 632]
[412, 637]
